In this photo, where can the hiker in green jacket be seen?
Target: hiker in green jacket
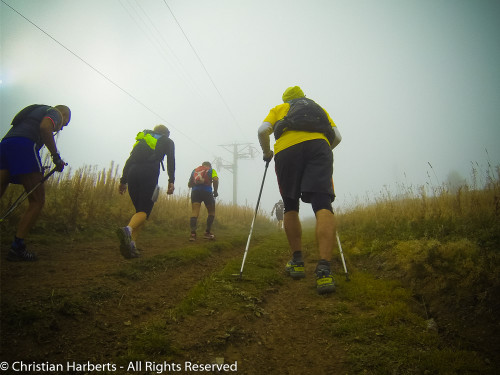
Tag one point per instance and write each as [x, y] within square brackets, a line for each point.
[140, 174]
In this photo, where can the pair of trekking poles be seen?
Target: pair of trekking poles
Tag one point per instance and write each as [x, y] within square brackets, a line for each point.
[25, 194]
[240, 275]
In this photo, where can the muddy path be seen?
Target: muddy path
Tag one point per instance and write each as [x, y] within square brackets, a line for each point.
[83, 302]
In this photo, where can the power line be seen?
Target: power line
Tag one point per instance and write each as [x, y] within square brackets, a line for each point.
[203, 65]
[82, 60]
[157, 41]
[104, 76]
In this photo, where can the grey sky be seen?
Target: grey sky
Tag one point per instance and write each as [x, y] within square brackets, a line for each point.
[407, 82]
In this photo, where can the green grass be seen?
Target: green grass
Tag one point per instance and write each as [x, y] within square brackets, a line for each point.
[259, 273]
[382, 334]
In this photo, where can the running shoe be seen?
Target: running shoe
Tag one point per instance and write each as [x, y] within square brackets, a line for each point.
[192, 237]
[134, 251]
[209, 236]
[21, 254]
[125, 237]
[324, 280]
[295, 269]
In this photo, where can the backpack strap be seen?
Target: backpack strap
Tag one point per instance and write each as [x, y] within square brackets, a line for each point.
[305, 115]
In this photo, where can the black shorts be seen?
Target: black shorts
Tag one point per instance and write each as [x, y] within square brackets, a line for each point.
[142, 181]
[305, 168]
[200, 195]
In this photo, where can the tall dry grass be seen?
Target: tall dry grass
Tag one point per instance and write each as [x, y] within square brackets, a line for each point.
[430, 211]
[87, 199]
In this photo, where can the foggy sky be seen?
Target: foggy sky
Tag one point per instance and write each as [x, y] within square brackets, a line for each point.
[410, 84]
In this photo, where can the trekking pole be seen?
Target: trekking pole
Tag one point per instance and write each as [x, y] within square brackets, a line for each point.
[342, 256]
[253, 221]
[25, 195]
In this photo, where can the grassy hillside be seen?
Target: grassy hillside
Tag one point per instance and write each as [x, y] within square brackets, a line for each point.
[87, 201]
[443, 245]
[423, 295]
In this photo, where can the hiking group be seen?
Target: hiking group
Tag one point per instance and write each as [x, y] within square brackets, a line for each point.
[305, 136]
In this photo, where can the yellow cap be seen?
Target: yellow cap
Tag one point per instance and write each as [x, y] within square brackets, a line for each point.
[292, 93]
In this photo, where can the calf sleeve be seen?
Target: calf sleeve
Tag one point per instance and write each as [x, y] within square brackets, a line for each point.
[210, 221]
[192, 223]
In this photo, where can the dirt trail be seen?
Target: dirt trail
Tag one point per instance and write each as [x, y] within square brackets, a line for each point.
[288, 336]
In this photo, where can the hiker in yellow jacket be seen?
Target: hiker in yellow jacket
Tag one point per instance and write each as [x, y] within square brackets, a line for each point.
[305, 137]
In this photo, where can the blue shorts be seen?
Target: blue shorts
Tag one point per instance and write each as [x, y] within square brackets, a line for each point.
[19, 156]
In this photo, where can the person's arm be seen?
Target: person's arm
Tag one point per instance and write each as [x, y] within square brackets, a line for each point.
[47, 129]
[124, 178]
[264, 132]
[215, 182]
[191, 180]
[337, 139]
[170, 165]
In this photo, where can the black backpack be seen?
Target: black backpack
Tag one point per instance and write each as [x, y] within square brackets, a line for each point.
[305, 115]
[24, 113]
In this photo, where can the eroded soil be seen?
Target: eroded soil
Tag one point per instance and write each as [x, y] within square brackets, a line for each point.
[71, 306]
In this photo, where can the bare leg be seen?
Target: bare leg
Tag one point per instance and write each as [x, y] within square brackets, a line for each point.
[36, 202]
[325, 233]
[293, 230]
[4, 181]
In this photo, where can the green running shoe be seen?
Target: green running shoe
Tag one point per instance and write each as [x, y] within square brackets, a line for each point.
[295, 269]
[324, 280]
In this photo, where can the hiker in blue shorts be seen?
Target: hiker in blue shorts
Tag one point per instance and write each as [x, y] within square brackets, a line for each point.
[305, 137]
[140, 174]
[201, 180]
[20, 163]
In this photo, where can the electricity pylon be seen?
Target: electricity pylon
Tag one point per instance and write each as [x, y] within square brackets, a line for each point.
[240, 151]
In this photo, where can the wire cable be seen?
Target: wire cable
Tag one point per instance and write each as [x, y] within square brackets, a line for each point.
[105, 77]
[204, 67]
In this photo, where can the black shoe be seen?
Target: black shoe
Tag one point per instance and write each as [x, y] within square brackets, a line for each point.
[21, 254]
